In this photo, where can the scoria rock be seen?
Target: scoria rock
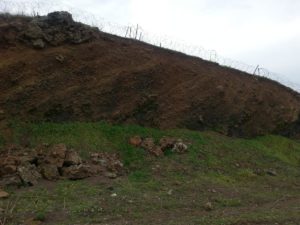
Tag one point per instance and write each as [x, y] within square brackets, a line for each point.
[167, 143]
[81, 171]
[29, 174]
[72, 158]
[135, 141]
[49, 171]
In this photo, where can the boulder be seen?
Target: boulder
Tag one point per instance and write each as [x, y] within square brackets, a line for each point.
[111, 175]
[10, 180]
[60, 58]
[115, 166]
[109, 161]
[8, 164]
[72, 158]
[148, 143]
[49, 172]
[272, 173]
[55, 156]
[29, 174]
[58, 39]
[135, 141]
[62, 18]
[33, 32]
[156, 151]
[8, 169]
[78, 172]
[167, 143]
[99, 158]
[27, 156]
[208, 206]
[38, 44]
[58, 151]
[180, 147]
[3, 194]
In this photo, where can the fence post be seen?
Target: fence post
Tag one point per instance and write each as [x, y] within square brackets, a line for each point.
[127, 31]
[256, 69]
[136, 32]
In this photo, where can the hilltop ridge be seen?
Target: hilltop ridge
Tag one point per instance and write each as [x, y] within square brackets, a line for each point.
[55, 69]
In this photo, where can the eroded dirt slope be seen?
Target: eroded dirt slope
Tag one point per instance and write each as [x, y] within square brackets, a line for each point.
[54, 69]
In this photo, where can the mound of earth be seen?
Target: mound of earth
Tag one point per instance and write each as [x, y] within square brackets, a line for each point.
[55, 69]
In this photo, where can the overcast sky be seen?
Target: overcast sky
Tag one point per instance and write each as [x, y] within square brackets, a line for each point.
[264, 32]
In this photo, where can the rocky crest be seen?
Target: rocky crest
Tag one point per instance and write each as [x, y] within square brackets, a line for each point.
[55, 29]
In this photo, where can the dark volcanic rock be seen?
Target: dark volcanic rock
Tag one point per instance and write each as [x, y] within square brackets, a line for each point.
[135, 141]
[49, 171]
[72, 158]
[55, 29]
[29, 174]
[64, 18]
[54, 156]
[22, 166]
[167, 143]
[82, 171]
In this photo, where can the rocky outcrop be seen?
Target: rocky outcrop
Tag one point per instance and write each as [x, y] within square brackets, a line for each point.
[54, 29]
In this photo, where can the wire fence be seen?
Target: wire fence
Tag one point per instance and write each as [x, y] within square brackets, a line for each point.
[42, 7]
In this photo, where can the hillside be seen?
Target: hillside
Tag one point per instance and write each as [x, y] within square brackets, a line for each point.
[54, 69]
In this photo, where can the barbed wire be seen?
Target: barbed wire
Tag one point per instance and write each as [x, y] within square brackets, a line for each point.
[42, 7]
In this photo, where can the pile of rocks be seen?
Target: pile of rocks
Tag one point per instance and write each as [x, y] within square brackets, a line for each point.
[20, 166]
[54, 29]
[166, 143]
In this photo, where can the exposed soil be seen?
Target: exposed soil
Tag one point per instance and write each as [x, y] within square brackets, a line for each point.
[99, 76]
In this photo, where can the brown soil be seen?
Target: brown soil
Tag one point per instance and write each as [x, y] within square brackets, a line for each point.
[126, 81]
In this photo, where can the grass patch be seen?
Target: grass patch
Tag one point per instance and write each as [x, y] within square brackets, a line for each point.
[180, 185]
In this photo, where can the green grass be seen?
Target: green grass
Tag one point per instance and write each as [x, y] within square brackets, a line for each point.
[159, 189]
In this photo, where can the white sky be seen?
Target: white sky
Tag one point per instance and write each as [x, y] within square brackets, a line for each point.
[264, 32]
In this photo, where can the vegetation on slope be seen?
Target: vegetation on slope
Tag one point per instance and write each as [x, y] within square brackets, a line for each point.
[247, 181]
